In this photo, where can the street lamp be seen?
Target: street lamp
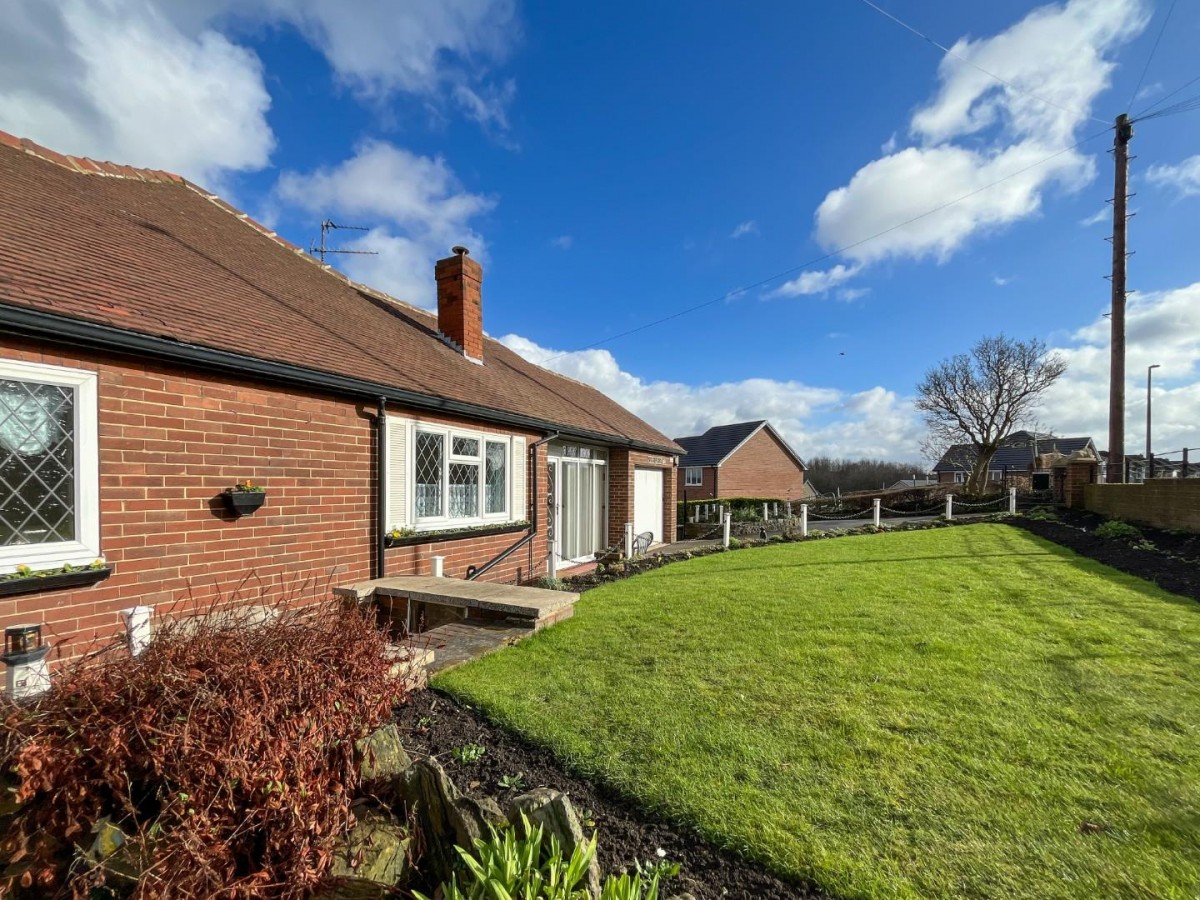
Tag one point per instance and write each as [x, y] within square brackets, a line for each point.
[1149, 376]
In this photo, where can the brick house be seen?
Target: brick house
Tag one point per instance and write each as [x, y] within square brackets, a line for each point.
[748, 459]
[157, 346]
[1020, 458]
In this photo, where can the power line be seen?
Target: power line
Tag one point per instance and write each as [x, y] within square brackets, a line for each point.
[961, 58]
[830, 255]
[1145, 111]
[1150, 59]
[1174, 109]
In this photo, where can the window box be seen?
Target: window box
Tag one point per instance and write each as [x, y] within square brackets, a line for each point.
[453, 534]
[52, 580]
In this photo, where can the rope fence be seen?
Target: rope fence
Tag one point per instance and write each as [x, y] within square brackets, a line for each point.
[861, 514]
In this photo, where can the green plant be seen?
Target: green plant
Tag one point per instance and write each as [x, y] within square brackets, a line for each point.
[630, 887]
[395, 533]
[513, 782]
[551, 584]
[736, 544]
[1115, 529]
[469, 754]
[507, 865]
[247, 487]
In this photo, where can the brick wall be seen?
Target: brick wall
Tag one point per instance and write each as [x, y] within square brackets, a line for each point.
[707, 487]
[1161, 502]
[171, 440]
[762, 468]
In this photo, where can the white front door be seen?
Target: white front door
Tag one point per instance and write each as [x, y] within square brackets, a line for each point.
[648, 502]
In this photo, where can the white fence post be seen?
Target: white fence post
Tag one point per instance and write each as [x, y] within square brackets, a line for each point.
[803, 520]
[1012, 501]
[787, 509]
[725, 530]
[629, 540]
[875, 510]
[765, 512]
[437, 566]
[949, 507]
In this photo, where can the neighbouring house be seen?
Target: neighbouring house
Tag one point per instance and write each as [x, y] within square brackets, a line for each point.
[1023, 459]
[158, 347]
[747, 459]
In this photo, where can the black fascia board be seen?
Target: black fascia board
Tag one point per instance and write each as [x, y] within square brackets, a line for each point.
[82, 333]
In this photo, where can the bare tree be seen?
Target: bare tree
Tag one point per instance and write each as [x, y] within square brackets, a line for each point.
[973, 401]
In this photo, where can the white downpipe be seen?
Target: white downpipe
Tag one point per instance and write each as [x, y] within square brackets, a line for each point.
[949, 507]
[137, 628]
[437, 566]
[875, 510]
[803, 520]
[725, 529]
[629, 540]
[765, 516]
[1012, 501]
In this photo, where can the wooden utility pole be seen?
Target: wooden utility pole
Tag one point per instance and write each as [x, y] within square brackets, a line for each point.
[1116, 384]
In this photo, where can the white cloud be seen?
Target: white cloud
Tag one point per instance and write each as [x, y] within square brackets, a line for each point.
[166, 85]
[118, 80]
[1001, 280]
[1060, 53]
[815, 281]
[1104, 214]
[1183, 177]
[415, 205]
[849, 295]
[888, 147]
[562, 242]
[744, 228]
[378, 47]
[1161, 328]
[814, 420]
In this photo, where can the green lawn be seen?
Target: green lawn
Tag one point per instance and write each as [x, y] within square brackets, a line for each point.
[932, 713]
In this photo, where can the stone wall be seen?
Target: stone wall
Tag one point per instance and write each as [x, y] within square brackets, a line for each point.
[1162, 502]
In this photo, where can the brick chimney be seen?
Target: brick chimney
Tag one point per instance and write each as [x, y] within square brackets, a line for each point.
[460, 311]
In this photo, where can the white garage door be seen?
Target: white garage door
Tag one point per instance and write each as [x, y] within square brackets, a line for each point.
[648, 502]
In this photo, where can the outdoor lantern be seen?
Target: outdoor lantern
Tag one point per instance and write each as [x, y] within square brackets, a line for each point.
[25, 658]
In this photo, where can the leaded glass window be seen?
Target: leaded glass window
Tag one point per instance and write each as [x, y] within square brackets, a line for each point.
[496, 478]
[465, 446]
[37, 463]
[464, 490]
[429, 474]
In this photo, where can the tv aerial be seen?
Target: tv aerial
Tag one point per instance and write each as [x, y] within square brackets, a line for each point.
[328, 225]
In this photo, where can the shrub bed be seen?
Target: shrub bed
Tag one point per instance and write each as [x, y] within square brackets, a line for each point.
[224, 754]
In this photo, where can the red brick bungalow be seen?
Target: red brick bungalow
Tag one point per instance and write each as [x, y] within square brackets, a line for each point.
[746, 459]
[157, 347]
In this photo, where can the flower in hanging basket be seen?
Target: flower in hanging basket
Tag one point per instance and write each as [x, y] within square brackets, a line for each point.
[247, 487]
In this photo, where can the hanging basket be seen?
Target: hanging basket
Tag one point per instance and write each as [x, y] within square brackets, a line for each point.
[244, 503]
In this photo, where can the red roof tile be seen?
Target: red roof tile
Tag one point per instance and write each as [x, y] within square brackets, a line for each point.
[147, 252]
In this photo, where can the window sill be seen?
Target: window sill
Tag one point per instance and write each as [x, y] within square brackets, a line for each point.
[30, 584]
[454, 534]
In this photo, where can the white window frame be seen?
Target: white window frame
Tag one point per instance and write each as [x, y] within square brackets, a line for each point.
[687, 476]
[85, 548]
[448, 433]
[962, 477]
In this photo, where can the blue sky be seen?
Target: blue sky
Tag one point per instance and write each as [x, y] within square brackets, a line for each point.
[614, 164]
